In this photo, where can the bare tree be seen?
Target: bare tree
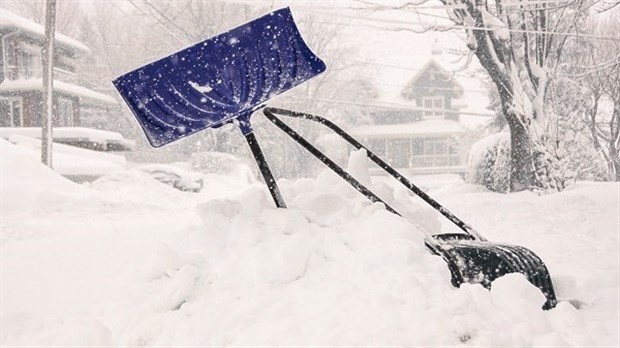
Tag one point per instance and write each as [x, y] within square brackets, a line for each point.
[600, 74]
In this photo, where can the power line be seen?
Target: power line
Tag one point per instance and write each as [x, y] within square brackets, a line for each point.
[430, 26]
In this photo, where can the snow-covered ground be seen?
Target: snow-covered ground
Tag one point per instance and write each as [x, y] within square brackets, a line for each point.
[127, 261]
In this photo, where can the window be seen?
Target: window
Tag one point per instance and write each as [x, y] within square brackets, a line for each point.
[28, 60]
[11, 112]
[10, 60]
[434, 102]
[399, 151]
[26, 65]
[417, 152]
[377, 146]
[65, 112]
[434, 152]
[453, 153]
[64, 63]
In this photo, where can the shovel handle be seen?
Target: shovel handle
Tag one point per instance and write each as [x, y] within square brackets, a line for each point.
[263, 166]
[270, 114]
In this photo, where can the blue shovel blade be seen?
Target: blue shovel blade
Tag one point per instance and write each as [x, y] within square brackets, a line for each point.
[220, 79]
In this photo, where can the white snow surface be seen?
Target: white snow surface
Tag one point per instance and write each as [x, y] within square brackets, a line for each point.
[71, 160]
[127, 261]
[9, 19]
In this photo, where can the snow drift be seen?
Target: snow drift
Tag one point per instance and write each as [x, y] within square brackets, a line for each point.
[225, 268]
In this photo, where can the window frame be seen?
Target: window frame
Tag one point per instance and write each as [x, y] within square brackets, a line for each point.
[434, 152]
[29, 60]
[10, 101]
[61, 117]
[429, 114]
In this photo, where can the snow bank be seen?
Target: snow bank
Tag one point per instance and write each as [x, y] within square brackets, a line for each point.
[226, 268]
[138, 188]
[25, 184]
[71, 160]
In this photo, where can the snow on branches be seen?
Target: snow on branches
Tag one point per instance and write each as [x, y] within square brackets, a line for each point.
[518, 44]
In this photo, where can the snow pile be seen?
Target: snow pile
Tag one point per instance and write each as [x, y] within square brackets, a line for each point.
[332, 270]
[138, 188]
[212, 162]
[72, 160]
[29, 188]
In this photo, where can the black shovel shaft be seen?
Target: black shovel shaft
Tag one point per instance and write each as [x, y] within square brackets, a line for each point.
[265, 171]
[270, 113]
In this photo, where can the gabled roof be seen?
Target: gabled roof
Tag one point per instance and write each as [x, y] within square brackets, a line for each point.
[401, 70]
[394, 58]
[432, 64]
[11, 20]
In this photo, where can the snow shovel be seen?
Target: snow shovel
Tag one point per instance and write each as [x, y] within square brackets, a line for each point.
[226, 78]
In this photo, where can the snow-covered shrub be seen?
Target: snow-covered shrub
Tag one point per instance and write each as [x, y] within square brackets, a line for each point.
[565, 156]
[489, 162]
[554, 170]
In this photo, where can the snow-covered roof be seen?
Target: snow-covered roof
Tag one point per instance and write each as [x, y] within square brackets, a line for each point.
[68, 134]
[9, 19]
[63, 132]
[418, 129]
[87, 96]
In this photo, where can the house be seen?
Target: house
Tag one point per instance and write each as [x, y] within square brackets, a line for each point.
[21, 86]
[419, 129]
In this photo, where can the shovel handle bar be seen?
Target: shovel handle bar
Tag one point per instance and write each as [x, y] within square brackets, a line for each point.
[270, 113]
[326, 160]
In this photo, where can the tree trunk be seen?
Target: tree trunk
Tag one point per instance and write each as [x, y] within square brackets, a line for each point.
[521, 162]
[614, 159]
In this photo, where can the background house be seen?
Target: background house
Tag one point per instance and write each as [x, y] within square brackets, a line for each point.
[21, 100]
[21, 43]
[418, 123]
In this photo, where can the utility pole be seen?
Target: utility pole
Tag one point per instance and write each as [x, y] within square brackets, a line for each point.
[48, 83]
